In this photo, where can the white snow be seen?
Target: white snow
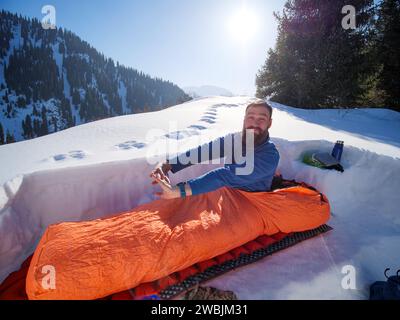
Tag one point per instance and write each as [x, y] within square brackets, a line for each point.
[122, 94]
[58, 58]
[102, 167]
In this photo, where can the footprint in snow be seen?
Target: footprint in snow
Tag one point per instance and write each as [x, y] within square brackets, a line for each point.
[179, 135]
[127, 145]
[60, 157]
[208, 119]
[216, 106]
[197, 127]
[75, 154]
[223, 105]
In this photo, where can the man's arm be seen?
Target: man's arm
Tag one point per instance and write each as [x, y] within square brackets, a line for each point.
[205, 150]
[264, 167]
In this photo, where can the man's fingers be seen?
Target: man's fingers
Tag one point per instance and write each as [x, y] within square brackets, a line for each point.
[163, 181]
[156, 175]
[157, 180]
[155, 172]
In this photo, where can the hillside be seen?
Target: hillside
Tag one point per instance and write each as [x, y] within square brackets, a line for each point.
[51, 80]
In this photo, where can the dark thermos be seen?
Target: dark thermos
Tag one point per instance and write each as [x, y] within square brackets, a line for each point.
[338, 150]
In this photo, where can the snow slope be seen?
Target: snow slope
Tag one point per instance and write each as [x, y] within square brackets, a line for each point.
[100, 168]
[129, 90]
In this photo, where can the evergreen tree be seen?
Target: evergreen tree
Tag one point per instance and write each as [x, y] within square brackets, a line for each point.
[76, 99]
[35, 112]
[1, 134]
[44, 127]
[21, 102]
[55, 124]
[36, 127]
[316, 62]
[61, 48]
[9, 138]
[9, 110]
[388, 52]
[27, 127]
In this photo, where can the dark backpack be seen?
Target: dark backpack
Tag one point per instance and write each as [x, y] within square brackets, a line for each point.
[386, 290]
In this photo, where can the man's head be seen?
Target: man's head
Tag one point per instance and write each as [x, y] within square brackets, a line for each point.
[259, 118]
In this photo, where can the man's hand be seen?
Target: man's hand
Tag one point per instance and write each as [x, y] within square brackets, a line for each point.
[161, 172]
[160, 176]
[168, 192]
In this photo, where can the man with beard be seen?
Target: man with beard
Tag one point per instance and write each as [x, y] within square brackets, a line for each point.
[257, 121]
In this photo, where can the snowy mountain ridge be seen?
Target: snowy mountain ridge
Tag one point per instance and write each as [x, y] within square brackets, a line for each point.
[51, 80]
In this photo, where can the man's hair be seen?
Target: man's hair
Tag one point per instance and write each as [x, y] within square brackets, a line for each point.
[260, 103]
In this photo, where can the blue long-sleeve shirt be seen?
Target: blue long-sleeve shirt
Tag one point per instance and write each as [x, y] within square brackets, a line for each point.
[266, 158]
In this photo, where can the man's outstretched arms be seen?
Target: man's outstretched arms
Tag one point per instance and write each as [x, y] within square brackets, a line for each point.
[209, 151]
[266, 160]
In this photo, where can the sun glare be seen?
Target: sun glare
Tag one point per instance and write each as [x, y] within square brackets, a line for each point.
[243, 25]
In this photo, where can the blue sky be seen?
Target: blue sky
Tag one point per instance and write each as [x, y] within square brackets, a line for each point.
[187, 42]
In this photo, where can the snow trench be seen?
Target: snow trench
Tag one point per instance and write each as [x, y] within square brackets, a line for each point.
[31, 202]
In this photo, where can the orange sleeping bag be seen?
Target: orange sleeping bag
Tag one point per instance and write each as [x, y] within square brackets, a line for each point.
[93, 259]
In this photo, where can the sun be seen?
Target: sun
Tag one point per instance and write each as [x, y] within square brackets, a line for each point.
[243, 25]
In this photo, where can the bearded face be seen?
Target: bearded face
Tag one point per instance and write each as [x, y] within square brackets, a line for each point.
[258, 121]
[259, 136]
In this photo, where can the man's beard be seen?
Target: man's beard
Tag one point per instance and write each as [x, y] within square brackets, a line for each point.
[259, 138]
